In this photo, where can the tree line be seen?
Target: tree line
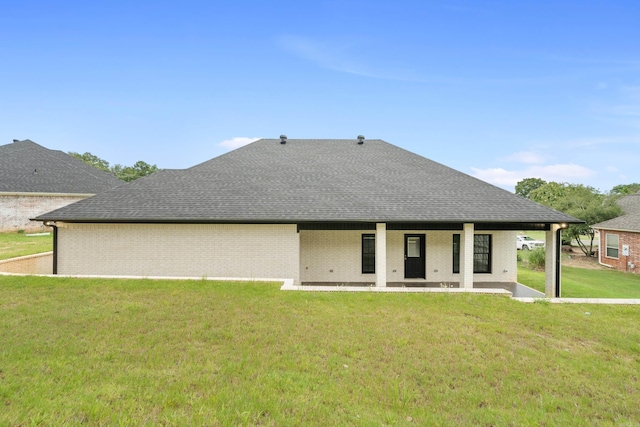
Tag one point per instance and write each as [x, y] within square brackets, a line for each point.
[125, 173]
[579, 201]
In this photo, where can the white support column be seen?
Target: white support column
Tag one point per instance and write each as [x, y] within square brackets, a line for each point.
[551, 269]
[381, 255]
[466, 257]
[296, 279]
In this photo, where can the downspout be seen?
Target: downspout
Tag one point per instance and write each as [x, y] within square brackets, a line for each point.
[52, 224]
[558, 260]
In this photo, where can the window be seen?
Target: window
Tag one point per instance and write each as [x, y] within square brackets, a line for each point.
[612, 245]
[413, 247]
[456, 253]
[368, 253]
[481, 253]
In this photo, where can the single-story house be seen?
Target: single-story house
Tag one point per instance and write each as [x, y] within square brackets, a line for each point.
[620, 237]
[35, 180]
[344, 211]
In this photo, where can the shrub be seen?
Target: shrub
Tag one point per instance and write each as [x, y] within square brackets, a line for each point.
[537, 259]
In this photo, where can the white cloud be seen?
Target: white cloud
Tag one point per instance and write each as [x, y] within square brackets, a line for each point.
[596, 142]
[497, 176]
[558, 173]
[334, 56]
[623, 109]
[346, 56]
[528, 157]
[237, 142]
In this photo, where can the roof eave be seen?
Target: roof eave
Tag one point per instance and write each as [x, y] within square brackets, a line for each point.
[524, 223]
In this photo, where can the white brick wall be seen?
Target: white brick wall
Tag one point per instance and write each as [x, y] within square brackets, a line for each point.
[504, 258]
[200, 250]
[15, 210]
[277, 251]
[340, 251]
[322, 251]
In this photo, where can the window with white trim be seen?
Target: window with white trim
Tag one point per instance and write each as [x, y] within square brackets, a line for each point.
[456, 253]
[481, 253]
[612, 245]
[368, 253]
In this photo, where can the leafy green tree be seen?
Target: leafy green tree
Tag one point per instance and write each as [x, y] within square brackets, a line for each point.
[623, 189]
[130, 173]
[582, 202]
[527, 185]
[125, 173]
[92, 160]
[550, 194]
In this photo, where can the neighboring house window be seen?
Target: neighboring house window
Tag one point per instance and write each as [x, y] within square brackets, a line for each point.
[612, 245]
[368, 253]
[481, 253]
[456, 253]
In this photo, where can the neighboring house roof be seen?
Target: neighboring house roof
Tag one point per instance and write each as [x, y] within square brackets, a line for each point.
[308, 180]
[26, 167]
[630, 204]
[629, 222]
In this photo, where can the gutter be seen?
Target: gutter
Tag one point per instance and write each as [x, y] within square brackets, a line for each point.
[35, 194]
[558, 262]
[52, 224]
[600, 247]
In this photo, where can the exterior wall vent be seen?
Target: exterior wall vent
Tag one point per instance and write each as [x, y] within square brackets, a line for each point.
[360, 139]
[283, 139]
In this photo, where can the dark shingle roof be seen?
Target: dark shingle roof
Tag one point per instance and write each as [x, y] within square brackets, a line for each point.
[26, 167]
[630, 204]
[310, 180]
[629, 222]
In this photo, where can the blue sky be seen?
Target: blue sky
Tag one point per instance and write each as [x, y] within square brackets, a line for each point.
[501, 90]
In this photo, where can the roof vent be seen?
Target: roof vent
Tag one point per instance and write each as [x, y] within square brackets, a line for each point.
[16, 140]
[283, 139]
[360, 139]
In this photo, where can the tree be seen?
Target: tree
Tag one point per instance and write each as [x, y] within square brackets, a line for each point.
[130, 173]
[582, 202]
[527, 185]
[92, 160]
[623, 189]
[125, 173]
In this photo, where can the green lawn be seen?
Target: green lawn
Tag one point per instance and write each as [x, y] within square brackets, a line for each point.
[18, 244]
[141, 352]
[584, 283]
[576, 282]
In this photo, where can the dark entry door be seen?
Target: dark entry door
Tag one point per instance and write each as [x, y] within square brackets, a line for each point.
[414, 256]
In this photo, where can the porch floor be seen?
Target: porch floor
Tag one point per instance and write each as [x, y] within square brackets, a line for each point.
[518, 290]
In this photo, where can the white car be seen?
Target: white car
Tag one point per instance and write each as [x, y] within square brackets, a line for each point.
[526, 243]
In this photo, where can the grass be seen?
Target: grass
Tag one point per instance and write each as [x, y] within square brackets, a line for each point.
[580, 282]
[576, 282]
[584, 283]
[18, 244]
[141, 352]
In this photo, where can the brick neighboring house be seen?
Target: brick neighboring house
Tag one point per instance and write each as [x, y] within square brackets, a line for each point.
[620, 237]
[35, 180]
[344, 211]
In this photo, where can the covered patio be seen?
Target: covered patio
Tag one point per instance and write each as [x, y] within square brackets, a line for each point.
[517, 290]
